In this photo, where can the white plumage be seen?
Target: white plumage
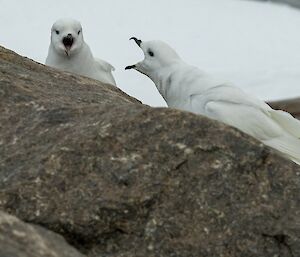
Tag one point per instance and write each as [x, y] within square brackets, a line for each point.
[187, 88]
[69, 52]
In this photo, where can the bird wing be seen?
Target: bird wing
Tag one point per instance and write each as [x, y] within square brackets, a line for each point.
[104, 65]
[106, 69]
[230, 105]
[253, 116]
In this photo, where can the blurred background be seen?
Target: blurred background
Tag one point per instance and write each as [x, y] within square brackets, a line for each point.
[254, 44]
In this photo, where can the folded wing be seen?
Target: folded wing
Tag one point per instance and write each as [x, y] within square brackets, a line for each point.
[106, 69]
[230, 105]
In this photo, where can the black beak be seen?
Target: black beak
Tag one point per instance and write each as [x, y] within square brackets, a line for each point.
[130, 67]
[137, 41]
[68, 41]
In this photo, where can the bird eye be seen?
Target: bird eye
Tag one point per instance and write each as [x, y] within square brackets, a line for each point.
[57, 32]
[79, 32]
[150, 53]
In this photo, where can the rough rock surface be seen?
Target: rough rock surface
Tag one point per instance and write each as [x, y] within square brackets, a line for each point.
[289, 105]
[117, 178]
[18, 239]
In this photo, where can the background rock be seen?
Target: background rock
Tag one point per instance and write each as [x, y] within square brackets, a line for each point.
[18, 239]
[290, 105]
[117, 178]
[293, 3]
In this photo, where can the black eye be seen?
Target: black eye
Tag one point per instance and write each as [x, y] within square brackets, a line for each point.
[57, 32]
[150, 53]
[79, 32]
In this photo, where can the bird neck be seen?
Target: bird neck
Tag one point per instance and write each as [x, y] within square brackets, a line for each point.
[165, 81]
[177, 83]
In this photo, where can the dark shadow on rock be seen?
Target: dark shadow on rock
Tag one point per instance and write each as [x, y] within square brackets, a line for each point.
[18, 239]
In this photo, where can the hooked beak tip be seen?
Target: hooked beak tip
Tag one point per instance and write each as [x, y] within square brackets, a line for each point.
[137, 41]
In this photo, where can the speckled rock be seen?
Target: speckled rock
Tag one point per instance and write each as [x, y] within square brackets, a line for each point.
[18, 239]
[118, 178]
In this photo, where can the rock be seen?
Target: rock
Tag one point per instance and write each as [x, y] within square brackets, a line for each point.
[293, 3]
[18, 239]
[118, 178]
[289, 105]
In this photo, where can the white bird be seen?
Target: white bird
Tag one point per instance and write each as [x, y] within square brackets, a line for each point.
[188, 88]
[69, 52]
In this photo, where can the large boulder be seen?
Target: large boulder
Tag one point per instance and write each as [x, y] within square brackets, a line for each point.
[18, 239]
[118, 178]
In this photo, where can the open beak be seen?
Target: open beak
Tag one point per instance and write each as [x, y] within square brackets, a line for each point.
[138, 42]
[68, 42]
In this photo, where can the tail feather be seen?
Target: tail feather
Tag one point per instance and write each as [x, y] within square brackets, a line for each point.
[288, 145]
[287, 122]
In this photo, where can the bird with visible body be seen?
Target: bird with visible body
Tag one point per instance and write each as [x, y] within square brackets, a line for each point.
[69, 52]
[186, 87]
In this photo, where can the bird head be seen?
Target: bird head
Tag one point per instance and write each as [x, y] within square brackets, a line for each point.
[157, 55]
[66, 36]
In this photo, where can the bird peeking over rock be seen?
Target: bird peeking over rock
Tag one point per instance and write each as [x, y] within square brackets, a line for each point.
[69, 52]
